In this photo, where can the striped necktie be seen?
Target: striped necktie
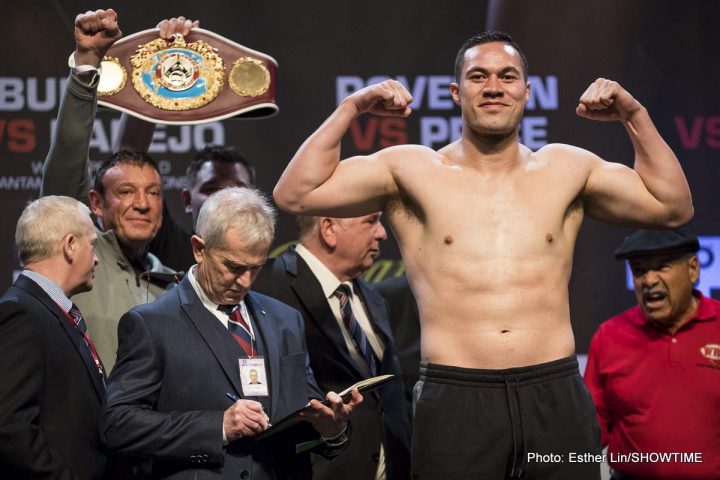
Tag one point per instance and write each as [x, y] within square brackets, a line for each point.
[356, 332]
[240, 328]
[79, 322]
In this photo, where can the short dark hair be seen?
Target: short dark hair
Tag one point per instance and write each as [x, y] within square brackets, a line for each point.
[218, 153]
[122, 157]
[487, 37]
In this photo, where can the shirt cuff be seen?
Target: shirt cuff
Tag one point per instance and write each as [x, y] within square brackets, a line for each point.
[88, 74]
[337, 440]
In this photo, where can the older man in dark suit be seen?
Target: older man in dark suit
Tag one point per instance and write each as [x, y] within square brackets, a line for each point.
[181, 357]
[348, 336]
[53, 382]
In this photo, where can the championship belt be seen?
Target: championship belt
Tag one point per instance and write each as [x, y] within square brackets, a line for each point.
[199, 78]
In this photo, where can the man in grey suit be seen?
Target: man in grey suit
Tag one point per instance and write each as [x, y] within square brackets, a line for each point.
[330, 257]
[181, 357]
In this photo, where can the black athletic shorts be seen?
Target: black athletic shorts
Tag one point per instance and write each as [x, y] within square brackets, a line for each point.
[535, 422]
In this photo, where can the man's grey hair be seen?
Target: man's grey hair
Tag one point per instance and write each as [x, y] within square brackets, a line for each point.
[45, 222]
[246, 209]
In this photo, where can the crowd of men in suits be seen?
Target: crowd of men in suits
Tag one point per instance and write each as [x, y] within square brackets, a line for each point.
[158, 372]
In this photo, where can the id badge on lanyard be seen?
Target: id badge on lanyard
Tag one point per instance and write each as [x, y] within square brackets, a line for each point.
[253, 377]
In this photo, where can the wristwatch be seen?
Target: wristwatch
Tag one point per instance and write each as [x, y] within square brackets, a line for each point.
[88, 74]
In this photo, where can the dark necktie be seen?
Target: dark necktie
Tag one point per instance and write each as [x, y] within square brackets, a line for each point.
[240, 328]
[79, 322]
[356, 332]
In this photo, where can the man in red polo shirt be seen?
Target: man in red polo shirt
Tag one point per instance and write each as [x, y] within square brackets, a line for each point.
[654, 370]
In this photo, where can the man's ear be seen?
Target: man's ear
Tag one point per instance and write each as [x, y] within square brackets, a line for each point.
[96, 203]
[198, 248]
[186, 200]
[694, 269]
[455, 93]
[69, 246]
[527, 91]
[327, 229]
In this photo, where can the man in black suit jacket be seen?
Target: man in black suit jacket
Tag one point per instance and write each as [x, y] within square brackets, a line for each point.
[332, 252]
[405, 325]
[52, 384]
[179, 359]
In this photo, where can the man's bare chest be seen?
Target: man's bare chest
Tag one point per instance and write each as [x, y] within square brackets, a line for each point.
[516, 214]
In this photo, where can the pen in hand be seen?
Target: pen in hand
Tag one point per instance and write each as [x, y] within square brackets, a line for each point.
[235, 398]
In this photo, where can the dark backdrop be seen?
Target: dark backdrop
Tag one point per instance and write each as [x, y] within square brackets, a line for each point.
[662, 51]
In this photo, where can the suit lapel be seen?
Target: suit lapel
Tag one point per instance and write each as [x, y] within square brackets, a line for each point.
[310, 294]
[377, 310]
[268, 332]
[207, 326]
[72, 333]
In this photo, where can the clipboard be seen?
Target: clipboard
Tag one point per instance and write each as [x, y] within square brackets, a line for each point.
[294, 418]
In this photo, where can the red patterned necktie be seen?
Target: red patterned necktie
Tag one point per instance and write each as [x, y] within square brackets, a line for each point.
[240, 328]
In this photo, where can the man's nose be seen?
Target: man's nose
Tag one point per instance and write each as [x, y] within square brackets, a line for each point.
[650, 278]
[492, 86]
[380, 232]
[245, 280]
[140, 201]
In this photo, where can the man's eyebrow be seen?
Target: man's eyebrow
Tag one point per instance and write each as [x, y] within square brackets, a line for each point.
[232, 264]
[510, 68]
[503, 71]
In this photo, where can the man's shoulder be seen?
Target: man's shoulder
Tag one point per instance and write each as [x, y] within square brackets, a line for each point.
[107, 247]
[166, 305]
[368, 289]
[272, 305]
[409, 149]
[562, 155]
[562, 150]
[19, 304]
[14, 300]
[627, 318]
[277, 264]
[24, 291]
[276, 271]
[714, 303]
[411, 155]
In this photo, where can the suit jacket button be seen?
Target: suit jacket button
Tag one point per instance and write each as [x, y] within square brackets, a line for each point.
[192, 458]
[244, 474]
[376, 457]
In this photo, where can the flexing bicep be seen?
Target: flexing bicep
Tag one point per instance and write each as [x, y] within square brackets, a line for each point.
[616, 193]
[357, 186]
